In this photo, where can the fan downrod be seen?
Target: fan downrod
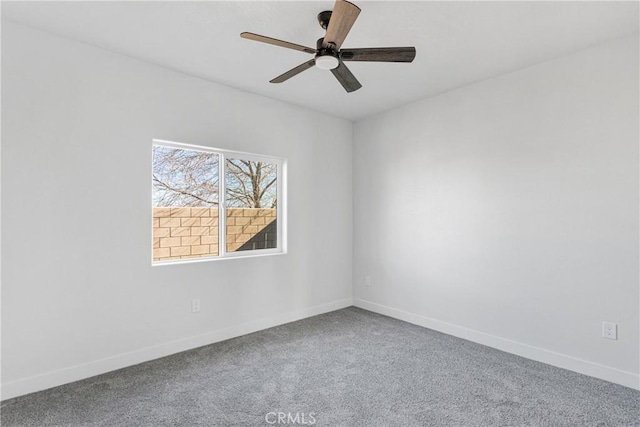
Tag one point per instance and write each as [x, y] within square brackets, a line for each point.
[323, 18]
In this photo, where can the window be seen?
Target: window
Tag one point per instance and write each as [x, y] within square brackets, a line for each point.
[199, 192]
[251, 194]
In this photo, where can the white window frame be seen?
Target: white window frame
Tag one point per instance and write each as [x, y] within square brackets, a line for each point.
[281, 207]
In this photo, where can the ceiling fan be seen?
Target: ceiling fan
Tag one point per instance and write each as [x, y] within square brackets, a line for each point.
[329, 56]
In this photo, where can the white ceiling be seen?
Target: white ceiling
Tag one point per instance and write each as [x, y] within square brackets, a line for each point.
[457, 43]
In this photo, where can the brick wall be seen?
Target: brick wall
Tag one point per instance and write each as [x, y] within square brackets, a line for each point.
[180, 233]
[249, 229]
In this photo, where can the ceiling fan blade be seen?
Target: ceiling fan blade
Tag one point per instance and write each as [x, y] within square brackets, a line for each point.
[276, 42]
[346, 78]
[342, 18]
[379, 54]
[294, 71]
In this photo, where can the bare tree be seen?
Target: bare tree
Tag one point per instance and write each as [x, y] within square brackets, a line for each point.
[184, 177]
[251, 184]
[189, 178]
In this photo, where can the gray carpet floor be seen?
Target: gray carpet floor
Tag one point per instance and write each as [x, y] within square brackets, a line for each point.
[345, 368]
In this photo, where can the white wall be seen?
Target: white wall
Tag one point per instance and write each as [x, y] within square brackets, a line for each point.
[506, 212]
[79, 294]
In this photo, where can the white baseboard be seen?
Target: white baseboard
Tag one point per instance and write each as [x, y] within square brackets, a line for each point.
[97, 367]
[628, 379]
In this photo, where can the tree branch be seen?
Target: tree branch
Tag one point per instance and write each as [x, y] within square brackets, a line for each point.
[168, 187]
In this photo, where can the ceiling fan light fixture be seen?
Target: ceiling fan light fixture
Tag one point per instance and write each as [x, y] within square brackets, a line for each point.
[327, 62]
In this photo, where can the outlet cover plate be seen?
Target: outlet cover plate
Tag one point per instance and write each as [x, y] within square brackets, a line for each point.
[610, 330]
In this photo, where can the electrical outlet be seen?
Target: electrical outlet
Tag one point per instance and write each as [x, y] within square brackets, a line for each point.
[610, 330]
[367, 281]
[195, 305]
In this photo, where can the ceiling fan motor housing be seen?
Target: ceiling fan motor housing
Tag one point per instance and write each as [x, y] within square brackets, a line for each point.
[321, 49]
[326, 58]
